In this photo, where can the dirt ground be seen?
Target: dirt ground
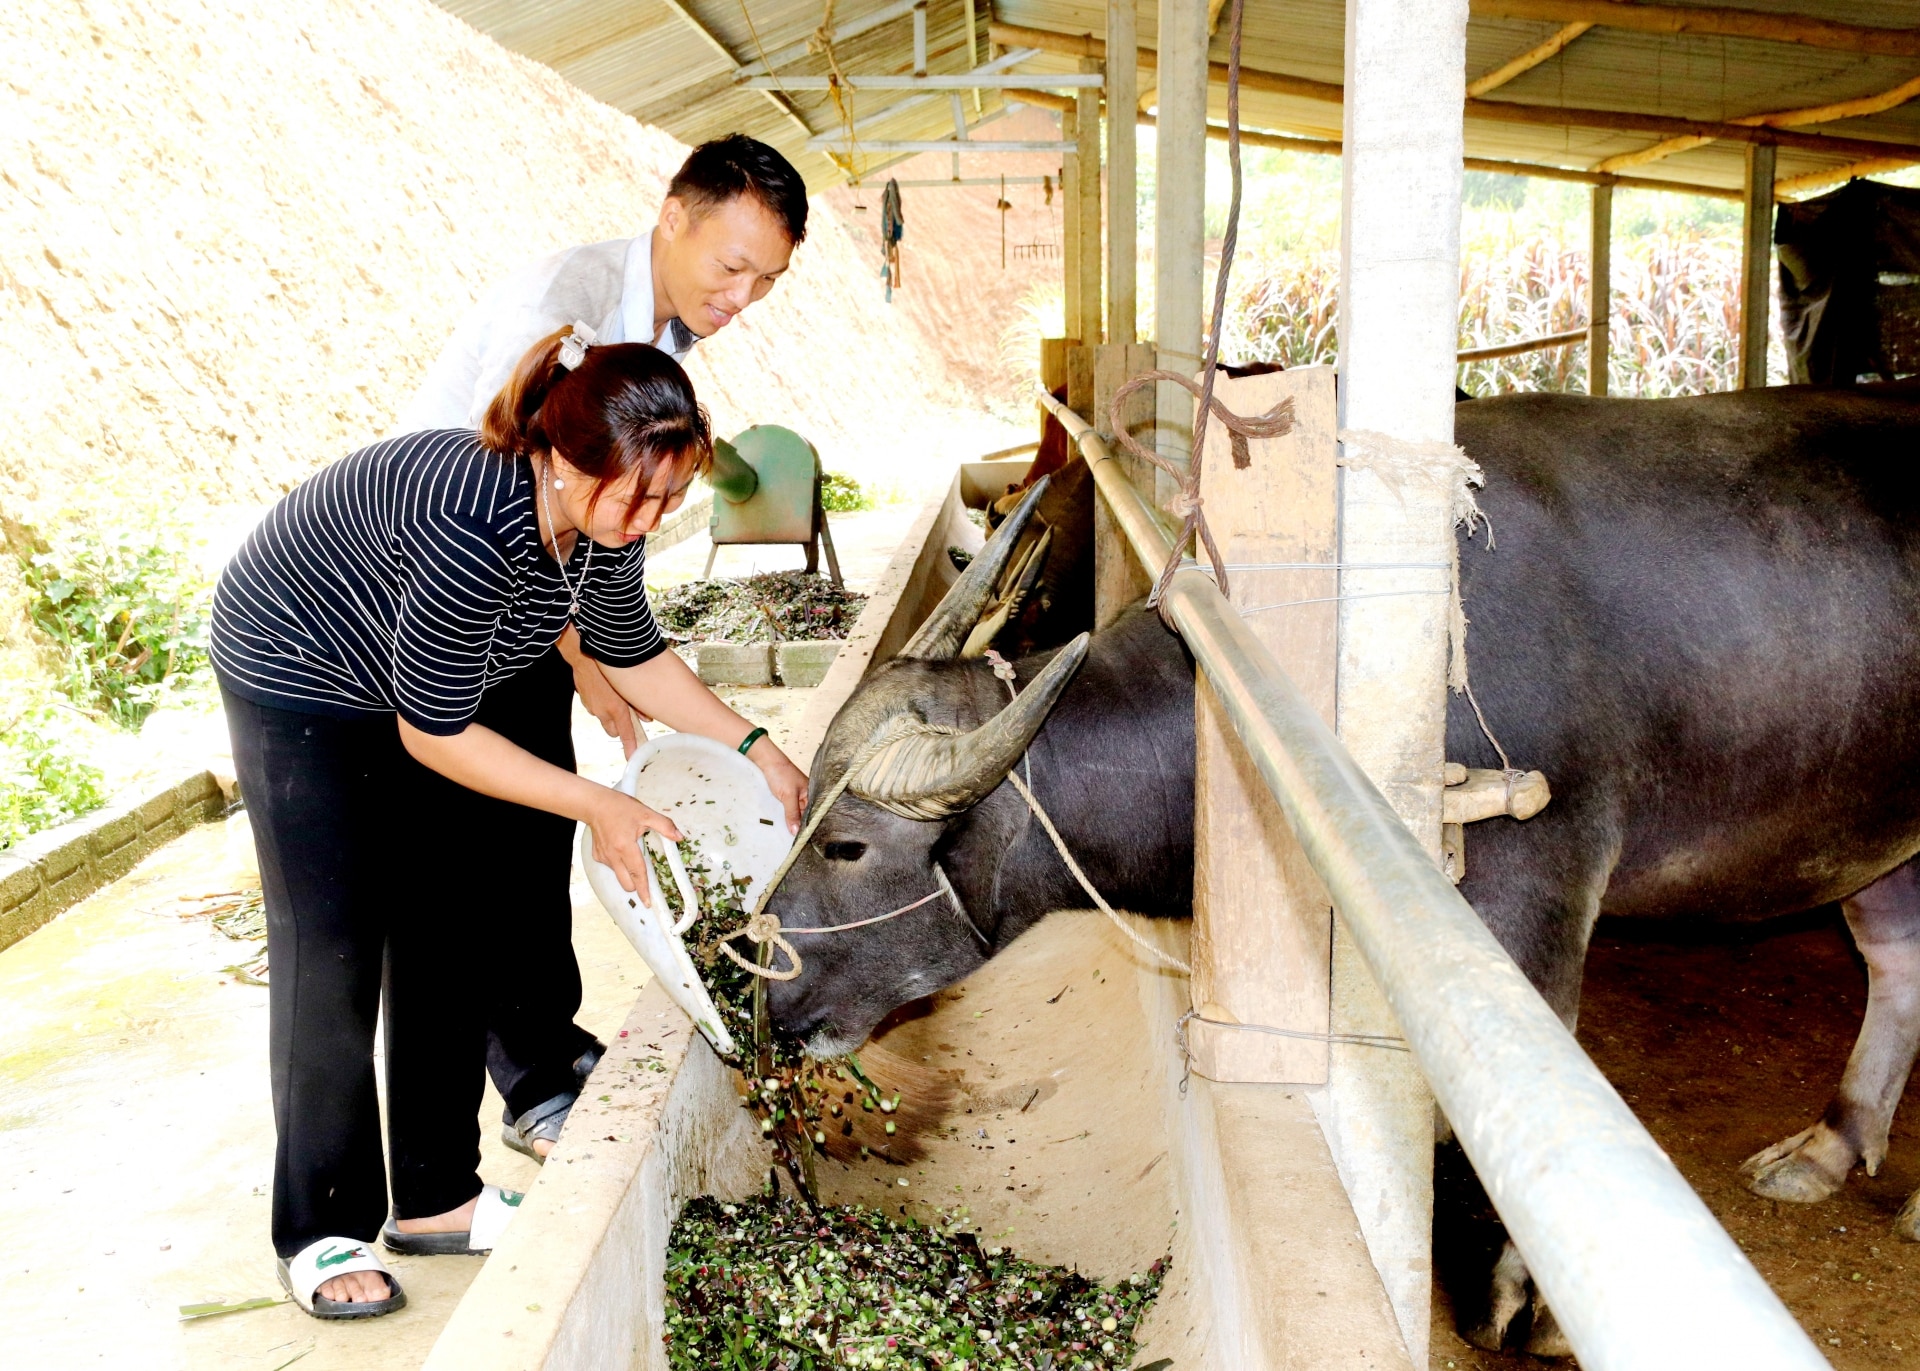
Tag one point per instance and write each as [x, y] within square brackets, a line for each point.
[1727, 1040]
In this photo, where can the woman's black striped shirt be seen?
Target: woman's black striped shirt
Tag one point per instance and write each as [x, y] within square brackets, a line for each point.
[409, 577]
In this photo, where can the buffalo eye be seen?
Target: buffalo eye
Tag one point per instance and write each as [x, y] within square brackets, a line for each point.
[844, 852]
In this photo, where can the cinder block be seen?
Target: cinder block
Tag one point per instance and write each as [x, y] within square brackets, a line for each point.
[198, 797]
[19, 882]
[112, 829]
[21, 919]
[56, 851]
[157, 810]
[805, 664]
[749, 664]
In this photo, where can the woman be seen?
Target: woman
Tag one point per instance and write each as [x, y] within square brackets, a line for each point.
[354, 635]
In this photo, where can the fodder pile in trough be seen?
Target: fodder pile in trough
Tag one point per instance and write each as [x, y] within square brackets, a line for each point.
[771, 1283]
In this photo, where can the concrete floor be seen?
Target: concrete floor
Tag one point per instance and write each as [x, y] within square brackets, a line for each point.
[136, 1135]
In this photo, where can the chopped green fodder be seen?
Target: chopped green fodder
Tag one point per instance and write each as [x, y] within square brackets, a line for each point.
[796, 1098]
[774, 606]
[771, 1284]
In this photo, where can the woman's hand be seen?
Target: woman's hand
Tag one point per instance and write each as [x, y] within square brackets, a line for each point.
[787, 781]
[620, 824]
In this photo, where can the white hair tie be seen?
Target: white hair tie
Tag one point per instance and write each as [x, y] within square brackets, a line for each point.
[573, 348]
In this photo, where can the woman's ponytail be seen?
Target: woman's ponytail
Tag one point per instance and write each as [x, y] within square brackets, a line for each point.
[512, 421]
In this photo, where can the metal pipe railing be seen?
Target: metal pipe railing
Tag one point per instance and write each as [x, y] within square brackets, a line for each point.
[1638, 1272]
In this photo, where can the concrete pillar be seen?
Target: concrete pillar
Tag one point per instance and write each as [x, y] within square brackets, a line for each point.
[1070, 236]
[1180, 212]
[1756, 266]
[1123, 228]
[1399, 303]
[1087, 135]
[1599, 286]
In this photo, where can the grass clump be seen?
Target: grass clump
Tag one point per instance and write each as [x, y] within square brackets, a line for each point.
[770, 1283]
[126, 607]
[843, 495]
[46, 777]
[774, 606]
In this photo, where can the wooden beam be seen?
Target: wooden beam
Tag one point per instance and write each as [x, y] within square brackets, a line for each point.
[779, 101]
[1756, 266]
[1497, 111]
[1713, 21]
[1123, 227]
[1797, 187]
[1779, 119]
[1526, 61]
[1092, 276]
[1215, 8]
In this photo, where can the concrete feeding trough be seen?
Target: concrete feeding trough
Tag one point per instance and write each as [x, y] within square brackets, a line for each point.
[1046, 1094]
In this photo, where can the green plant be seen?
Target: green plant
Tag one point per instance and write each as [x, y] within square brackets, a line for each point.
[842, 494]
[45, 777]
[126, 606]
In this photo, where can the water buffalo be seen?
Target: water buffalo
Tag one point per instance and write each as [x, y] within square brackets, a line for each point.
[1701, 619]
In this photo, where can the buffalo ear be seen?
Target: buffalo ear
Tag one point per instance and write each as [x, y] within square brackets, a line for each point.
[971, 852]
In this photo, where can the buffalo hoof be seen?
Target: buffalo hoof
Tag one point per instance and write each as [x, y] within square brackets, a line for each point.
[1517, 1316]
[1545, 1338]
[1906, 1224]
[1804, 1169]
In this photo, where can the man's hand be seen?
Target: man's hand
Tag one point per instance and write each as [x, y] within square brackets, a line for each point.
[598, 695]
[619, 824]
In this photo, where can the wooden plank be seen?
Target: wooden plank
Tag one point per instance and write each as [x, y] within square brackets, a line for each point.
[1599, 286]
[1087, 187]
[1756, 266]
[1262, 922]
[1118, 579]
[1717, 21]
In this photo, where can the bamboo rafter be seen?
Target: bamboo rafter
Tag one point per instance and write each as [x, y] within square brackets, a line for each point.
[1526, 61]
[1779, 119]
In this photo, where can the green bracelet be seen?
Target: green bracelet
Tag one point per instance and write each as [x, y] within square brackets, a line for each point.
[752, 738]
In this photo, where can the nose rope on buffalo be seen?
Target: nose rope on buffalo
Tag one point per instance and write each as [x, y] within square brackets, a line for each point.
[764, 929]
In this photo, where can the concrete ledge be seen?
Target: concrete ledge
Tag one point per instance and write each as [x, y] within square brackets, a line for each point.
[805, 664]
[748, 664]
[50, 872]
[579, 1279]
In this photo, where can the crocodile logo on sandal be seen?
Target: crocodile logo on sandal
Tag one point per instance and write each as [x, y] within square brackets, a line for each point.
[332, 1258]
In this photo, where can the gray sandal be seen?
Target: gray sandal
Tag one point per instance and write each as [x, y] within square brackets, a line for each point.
[542, 1123]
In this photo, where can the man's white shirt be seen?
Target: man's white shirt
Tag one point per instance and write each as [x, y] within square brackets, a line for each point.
[608, 285]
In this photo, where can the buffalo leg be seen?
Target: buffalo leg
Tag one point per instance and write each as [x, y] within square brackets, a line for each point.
[1813, 1163]
[1544, 921]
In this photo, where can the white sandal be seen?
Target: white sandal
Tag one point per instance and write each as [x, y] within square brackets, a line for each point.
[490, 1217]
[319, 1262]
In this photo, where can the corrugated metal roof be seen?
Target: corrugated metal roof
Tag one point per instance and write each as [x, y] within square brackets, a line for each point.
[675, 63]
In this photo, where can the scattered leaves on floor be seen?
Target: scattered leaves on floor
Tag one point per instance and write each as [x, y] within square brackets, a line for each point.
[209, 1310]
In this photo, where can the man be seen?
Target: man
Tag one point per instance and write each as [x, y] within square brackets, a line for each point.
[732, 216]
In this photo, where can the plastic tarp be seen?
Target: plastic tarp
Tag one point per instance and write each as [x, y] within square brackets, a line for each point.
[1850, 284]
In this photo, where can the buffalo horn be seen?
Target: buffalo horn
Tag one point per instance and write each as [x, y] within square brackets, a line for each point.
[921, 775]
[941, 636]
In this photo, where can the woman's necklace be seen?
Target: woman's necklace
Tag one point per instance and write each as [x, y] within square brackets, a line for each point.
[546, 501]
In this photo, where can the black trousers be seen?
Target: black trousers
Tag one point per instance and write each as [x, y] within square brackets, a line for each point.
[533, 1041]
[380, 876]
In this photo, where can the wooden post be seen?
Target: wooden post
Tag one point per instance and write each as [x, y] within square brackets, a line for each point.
[1599, 286]
[1118, 579]
[1087, 135]
[1053, 371]
[1179, 216]
[1123, 228]
[1756, 266]
[1262, 922]
[1070, 226]
[1402, 145]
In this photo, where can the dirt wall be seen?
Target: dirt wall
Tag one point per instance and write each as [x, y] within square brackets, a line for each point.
[233, 233]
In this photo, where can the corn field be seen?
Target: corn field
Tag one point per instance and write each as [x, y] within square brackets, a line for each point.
[1675, 319]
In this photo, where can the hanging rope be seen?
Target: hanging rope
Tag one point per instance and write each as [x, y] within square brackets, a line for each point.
[1186, 503]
